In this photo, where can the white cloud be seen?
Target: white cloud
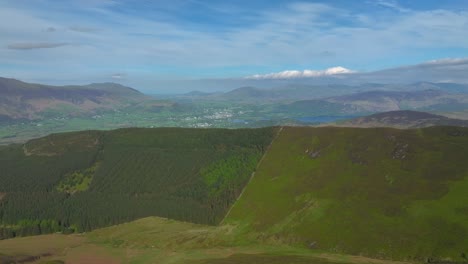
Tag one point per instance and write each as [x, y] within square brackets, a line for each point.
[302, 74]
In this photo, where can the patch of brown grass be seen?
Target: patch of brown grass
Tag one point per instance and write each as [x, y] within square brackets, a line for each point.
[39, 245]
[90, 254]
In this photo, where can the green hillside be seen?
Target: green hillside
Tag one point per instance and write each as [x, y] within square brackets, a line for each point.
[386, 193]
[317, 195]
[84, 180]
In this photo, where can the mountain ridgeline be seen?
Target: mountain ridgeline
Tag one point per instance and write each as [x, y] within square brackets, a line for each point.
[403, 119]
[369, 102]
[20, 100]
[422, 91]
[379, 192]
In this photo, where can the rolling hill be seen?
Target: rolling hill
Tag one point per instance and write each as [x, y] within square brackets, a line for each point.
[382, 193]
[20, 100]
[403, 119]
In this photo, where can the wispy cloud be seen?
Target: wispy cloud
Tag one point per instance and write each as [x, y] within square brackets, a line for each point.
[393, 4]
[32, 45]
[207, 39]
[441, 70]
[118, 76]
[50, 29]
[446, 62]
[83, 29]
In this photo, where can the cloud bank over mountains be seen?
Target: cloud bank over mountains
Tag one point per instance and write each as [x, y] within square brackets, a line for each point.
[453, 70]
[442, 70]
[302, 74]
[449, 70]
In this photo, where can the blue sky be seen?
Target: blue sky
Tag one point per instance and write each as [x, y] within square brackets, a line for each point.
[141, 42]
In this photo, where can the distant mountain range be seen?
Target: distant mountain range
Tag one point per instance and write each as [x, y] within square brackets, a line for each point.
[336, 99]
[20, 100]
[285, 93]
[403, 119]
[26, 101]
[378, 101]
[295, 92]
[369, 102]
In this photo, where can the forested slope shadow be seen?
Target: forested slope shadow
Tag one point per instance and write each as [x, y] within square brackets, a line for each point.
[386, 193]
[84, 180]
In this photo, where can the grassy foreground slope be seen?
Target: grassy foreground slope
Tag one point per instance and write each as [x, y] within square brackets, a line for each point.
[386, 193]
[158, 240]
[85, 180]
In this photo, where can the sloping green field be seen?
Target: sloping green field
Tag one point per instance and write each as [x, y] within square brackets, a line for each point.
[386, 193]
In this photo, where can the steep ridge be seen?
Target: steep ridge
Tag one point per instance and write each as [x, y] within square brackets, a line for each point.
[386, 193]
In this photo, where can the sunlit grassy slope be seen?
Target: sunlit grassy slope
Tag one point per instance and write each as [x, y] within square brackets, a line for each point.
[395, 194]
